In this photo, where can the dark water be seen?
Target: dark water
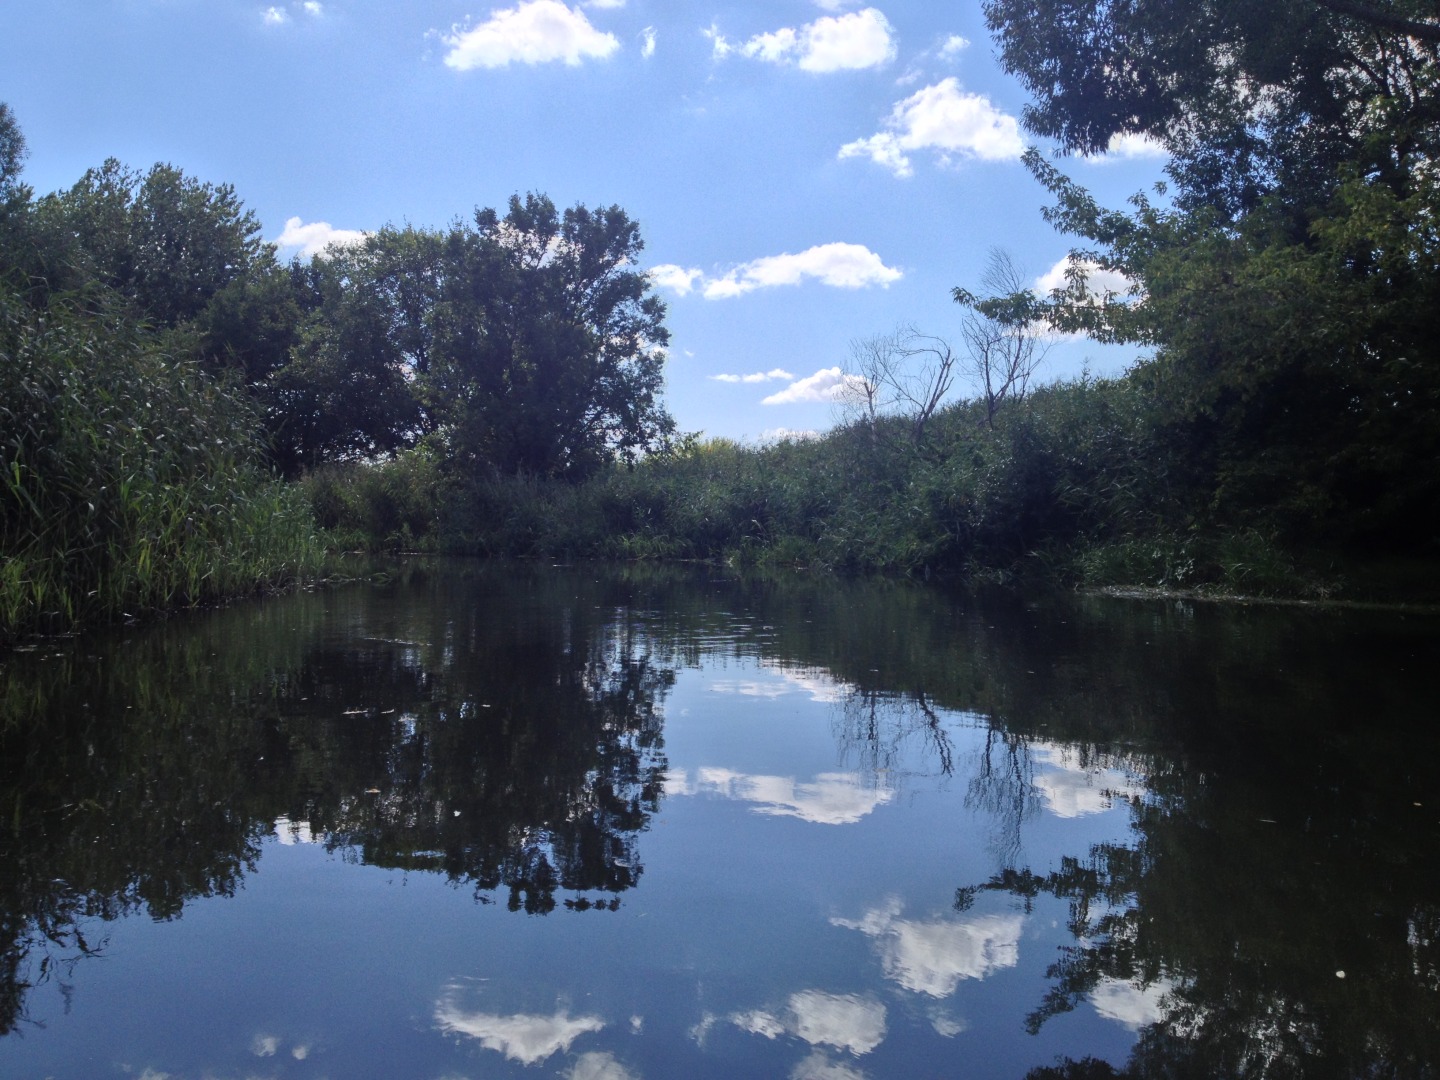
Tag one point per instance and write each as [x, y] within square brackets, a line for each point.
[490, 821]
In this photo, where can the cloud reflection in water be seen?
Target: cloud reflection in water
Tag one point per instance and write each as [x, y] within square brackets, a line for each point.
[830, 799]
[526, 1038]
[932, 956]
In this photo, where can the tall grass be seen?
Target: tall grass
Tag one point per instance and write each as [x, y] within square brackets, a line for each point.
[129, 480]
[1081, 483]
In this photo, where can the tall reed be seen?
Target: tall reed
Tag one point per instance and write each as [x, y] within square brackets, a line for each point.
[129, 480]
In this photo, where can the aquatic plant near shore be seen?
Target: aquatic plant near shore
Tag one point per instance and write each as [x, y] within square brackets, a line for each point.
[131, 480]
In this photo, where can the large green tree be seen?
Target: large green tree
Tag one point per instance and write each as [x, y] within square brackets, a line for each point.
[548, 342]
[1286, 281]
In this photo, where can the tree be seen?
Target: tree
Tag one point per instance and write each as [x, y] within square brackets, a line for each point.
[1004, 338]
[548, 344]
[12, 152]
[347, 389]
[166, 242]
[1249, 99]
[905, 373]
[1286, 286]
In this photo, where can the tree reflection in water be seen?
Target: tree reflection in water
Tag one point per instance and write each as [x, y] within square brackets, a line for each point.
[407, 729]
[503, 727]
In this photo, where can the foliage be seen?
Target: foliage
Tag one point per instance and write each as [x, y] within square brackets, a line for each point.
[548, 342]
[130, 478]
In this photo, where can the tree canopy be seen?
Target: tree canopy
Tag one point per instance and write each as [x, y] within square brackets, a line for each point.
[1286, 284]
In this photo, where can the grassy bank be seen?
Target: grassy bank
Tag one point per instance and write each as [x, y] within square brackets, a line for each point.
[1082, 484]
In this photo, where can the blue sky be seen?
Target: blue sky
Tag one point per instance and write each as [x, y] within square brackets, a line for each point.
[805, 173]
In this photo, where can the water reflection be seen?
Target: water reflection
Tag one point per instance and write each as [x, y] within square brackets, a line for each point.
[521, 756]
[829, 799]
[1194, 819]
[526, 1038]
[932, 956]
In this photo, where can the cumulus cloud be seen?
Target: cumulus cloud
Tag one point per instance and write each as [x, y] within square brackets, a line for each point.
[532, 32]
[677, 279]
[1098, 281]
[830, 799]
[1128, 146]
[844, 1021]
[932, 956]
[953, 46]
[526, 1038]
[314, 238]
[784, 434]
[945, 119]
[861, 39]
[839, 265]
[647, 48]
[826, 385]
[842, 266]
[756, 377]
[278, 16]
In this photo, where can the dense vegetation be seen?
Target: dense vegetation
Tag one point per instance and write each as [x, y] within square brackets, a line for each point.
[494, 386]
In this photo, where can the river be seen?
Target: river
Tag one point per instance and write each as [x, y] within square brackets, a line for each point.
[612, 823]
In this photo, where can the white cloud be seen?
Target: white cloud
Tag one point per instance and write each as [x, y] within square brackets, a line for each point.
[945, 119]
[264, 1045]
[532, 32]
[843, 1021]
[831, 799]
[1097, 281]
[1128, 146]
[675, 278]
[314, 238]
[826, 385]
[525, 1038]
[274, 16]
[313, 8]
[1129, 1005]
[861, 39]
[647, 49]
[932, 956]
[953, 46]
[290, 832]
[599, 1066]
[720, 47]
[819, 1067]
[604, 3]
[756, 377]
[839, 265]
[842, 266]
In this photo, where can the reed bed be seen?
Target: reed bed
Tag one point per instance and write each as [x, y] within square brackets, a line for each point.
[131, 480]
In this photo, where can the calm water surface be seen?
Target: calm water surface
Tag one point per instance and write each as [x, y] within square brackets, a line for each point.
[611, 824]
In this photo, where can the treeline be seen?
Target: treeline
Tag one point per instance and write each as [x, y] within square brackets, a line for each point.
[493, 387]
[1281, 435]
[165, 377]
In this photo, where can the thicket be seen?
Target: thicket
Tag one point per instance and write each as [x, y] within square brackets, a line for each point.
[1076, 483]
[131, 479]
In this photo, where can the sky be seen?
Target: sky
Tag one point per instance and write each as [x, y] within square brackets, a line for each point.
[806, 174]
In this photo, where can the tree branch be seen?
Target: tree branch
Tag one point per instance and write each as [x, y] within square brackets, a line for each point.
[1385, 20]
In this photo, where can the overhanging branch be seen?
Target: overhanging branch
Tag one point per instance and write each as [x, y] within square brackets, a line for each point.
[1385, 19]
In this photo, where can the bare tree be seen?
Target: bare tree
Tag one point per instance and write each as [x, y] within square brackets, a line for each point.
[1004, 341]
[904, 374]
